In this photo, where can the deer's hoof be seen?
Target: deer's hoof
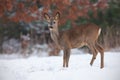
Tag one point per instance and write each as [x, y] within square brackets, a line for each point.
[91, 64]
[102, 67]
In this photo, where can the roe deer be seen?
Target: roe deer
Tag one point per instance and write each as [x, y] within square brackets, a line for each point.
[84, 35]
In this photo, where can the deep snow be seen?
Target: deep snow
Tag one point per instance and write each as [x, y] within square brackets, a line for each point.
[50, 68]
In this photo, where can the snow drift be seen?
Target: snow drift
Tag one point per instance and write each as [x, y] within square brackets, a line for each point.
[50, 68]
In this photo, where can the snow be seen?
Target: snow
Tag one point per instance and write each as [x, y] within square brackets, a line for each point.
[50, 68]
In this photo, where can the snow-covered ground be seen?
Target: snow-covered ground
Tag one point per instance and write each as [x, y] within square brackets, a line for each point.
[50, 68]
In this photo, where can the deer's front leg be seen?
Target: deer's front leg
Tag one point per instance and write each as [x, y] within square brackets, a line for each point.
[66, 57]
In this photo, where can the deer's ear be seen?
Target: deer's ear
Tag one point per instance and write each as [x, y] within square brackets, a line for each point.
[46, 16]
[57, 16]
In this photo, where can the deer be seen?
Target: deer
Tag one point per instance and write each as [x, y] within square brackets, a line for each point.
[76, 37]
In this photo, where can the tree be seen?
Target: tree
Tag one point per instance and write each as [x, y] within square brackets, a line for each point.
[18, 10]
[25, 10]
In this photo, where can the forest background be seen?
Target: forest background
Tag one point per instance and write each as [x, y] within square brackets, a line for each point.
[26, 16]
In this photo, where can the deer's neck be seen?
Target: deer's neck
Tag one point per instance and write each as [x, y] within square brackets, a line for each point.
[55, 37]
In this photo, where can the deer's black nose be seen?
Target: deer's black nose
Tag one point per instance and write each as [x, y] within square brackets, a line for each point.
[50, 27]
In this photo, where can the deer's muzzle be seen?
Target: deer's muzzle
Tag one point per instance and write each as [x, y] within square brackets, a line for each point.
[51, 27]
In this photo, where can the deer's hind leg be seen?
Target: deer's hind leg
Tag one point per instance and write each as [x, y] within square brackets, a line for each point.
[94, 53]
[101, 50]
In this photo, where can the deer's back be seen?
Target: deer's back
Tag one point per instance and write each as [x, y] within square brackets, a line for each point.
[80, 35]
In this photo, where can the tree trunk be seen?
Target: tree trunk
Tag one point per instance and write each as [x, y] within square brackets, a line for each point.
[1, 42]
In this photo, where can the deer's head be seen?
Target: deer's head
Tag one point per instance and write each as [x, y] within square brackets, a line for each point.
[53, 26]
[52, 21]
